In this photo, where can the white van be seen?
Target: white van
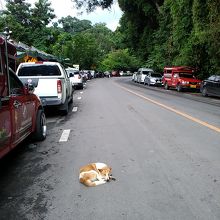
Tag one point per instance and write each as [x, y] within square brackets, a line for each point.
[142, 72]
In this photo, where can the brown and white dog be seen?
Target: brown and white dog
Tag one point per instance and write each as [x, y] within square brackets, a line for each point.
[95, 174]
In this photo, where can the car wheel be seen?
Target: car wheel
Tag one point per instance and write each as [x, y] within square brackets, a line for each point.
[65, 110]
[40, 131]
[179, 88]
[204, 91]
[71, 98]
[166, 86]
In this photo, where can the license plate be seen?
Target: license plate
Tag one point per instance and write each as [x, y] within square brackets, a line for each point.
[193, 86]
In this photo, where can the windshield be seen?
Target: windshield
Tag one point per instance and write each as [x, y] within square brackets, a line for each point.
[39, 70]
[186, 75]
[155, 75]
[146, 72]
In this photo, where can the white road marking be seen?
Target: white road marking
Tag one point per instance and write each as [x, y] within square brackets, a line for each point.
[75, 109]
[79, 98]
[81, 92]
[65, 135]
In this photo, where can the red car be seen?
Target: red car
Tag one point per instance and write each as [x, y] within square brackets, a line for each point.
[180, 78]
[21, 112]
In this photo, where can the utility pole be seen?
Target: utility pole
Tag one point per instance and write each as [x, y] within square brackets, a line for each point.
[7, 33]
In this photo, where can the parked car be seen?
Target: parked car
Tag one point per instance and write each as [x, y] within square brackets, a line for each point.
[76, 78]
[142, 72]
[21, 111]
[181, 78]
[153, 79]
[51, 82]
[211, 86]
[134, 77]
[115, 73]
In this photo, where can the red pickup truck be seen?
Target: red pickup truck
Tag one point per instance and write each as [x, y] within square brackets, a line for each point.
[180, 78]
[21, 112]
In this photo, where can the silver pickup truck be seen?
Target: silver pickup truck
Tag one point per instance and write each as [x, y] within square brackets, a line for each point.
[51, 83]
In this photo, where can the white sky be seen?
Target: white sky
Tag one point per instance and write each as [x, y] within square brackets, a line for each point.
[63, 8]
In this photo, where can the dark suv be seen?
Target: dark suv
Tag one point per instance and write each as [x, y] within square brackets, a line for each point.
[211, 86]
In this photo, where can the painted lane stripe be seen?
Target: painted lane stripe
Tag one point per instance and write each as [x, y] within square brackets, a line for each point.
[75, 109]
[79, 98]
[217, 129]
[65, 135]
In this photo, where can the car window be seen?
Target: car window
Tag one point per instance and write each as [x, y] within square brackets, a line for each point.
[217, 78]
[212, 78]
[155, 75]
[39, 70]
[145, 72]
[186, 75]
[16, 86]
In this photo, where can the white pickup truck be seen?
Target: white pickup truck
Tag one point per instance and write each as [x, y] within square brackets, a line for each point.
[51, 83]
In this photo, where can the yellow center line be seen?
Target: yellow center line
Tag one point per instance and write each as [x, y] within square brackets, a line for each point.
[217, 129]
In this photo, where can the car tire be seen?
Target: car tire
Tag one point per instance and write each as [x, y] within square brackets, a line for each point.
[166, 86]
[204, 92]
[40, 131]
[65, 110]
[71, 98]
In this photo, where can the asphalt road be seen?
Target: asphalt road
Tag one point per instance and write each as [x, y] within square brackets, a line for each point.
[163, 147]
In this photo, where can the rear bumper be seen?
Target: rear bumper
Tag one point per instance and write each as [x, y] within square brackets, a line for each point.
[51, 101]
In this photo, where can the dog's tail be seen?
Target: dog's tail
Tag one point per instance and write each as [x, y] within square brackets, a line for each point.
[87, 182]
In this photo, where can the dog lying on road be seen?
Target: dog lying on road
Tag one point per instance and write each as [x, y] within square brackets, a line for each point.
[95, 174]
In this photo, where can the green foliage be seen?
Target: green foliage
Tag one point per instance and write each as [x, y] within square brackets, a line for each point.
[74, 25]
[119, 60]
[42, 14]
[157, 33]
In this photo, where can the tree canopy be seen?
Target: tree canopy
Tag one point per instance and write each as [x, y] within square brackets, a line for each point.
[166, 32]
[152, 33]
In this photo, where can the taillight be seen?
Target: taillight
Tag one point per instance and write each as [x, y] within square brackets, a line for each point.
[59, 86]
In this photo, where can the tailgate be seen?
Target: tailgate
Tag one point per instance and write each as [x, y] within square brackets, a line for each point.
[44, 87]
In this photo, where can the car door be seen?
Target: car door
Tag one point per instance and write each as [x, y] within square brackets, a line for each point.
[216, 86]
[22, 110]
[67, 82]
[209, 84]
[5, 116]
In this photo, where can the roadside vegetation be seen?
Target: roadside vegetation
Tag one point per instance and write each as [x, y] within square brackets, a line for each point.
[153, 34]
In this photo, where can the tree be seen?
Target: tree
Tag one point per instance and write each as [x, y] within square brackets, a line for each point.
[92, 4]
[42, 14]
[119, 60]
[74, 25]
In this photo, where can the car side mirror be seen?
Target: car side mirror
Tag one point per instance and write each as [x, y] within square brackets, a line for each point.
[71, 75]
[29, 88]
